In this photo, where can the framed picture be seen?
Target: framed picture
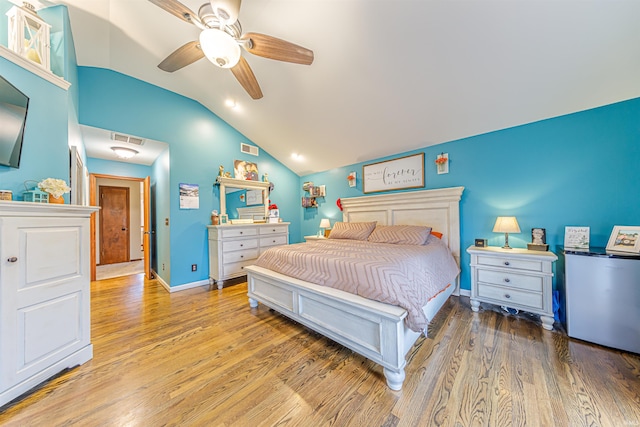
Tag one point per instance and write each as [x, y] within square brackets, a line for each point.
[397, 174]
[224, 219]
[576, 237]
[624, 239]
[538, 236]
[245, 170]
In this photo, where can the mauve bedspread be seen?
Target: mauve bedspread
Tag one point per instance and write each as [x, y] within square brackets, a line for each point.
[403, 275]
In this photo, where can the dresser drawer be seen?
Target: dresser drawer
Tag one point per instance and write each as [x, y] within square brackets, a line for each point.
[235, 268]
[511, 279]
[273, 241]
[509, 296]
[274, 229]
[232, 232]
[238, 245]
[237, 256]
[514, 263]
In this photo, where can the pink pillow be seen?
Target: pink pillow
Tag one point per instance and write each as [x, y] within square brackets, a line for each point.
[400, 234]
[352, 230]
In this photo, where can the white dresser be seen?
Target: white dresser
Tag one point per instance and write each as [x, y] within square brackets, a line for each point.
[515, 278]
[233, 247]
[44, 293]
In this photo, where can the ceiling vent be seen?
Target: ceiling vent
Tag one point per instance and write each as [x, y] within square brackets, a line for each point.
[126, 138]
[249, 149]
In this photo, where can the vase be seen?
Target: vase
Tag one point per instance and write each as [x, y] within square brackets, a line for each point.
[56, 200]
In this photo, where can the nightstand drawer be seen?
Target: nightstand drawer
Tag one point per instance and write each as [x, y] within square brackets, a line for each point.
[237, 245]
[512, 280]
[237, 256]
[514, 263]
[510, 296]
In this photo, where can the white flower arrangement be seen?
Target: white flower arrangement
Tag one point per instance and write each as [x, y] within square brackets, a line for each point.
[53, 186]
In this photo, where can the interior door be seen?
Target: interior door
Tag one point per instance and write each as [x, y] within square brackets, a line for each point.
[146, 229]
[114, 224]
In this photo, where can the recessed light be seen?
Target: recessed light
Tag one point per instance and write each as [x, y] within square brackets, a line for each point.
[296, 156]
[230, 103]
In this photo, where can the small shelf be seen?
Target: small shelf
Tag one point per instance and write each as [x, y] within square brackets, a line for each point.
[36, 69]
[313, 193]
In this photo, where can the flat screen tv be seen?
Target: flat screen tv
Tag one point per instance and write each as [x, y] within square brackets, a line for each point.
[13, 116]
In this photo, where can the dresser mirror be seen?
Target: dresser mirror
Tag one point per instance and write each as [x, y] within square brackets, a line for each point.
[230, 188]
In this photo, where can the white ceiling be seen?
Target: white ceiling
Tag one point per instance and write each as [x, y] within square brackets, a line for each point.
[389, 75]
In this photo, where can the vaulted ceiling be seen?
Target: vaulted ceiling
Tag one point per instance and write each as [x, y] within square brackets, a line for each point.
[388, 75]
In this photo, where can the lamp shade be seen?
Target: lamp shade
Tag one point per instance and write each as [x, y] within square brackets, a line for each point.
[219, 48]
[506, 224]
[324, 223]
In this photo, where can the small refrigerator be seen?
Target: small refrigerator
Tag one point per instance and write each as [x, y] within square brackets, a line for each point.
[603, 298]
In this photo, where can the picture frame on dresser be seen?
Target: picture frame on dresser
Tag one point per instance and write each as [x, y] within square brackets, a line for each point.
[624, 239]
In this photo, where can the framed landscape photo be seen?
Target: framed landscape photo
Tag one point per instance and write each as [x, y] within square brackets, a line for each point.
[624, 239]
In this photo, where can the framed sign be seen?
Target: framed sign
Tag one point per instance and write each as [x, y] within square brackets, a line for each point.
[624, 239]
[397, 174]
[576, 237]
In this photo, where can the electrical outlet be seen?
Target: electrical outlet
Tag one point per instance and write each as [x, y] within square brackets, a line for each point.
[194, 267]
[162, 267]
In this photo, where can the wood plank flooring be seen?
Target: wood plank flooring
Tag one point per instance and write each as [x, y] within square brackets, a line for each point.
[203, 357]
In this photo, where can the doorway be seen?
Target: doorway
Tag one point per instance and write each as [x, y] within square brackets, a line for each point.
[114, 238]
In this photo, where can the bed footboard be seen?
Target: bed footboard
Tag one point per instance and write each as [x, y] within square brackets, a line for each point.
[370, 328]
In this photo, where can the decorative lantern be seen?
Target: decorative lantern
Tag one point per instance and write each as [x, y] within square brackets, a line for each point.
[29, 34]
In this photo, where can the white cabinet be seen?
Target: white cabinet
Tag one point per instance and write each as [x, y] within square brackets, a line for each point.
[44, 293]
[516, 278]
[233, 247]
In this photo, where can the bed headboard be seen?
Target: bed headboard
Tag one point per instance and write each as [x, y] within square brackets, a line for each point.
[438, 209]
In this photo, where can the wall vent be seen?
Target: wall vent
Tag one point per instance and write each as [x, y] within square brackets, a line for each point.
[249, 149]
[127, 138]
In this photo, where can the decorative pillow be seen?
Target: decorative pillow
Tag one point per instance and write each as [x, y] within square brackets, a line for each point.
[437, 234]
[352, 230]
[400, 234]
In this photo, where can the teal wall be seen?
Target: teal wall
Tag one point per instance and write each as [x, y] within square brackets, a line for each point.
[579, 169]
[199, 142]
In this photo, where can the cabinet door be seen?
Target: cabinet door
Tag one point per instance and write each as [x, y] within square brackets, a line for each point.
[44, 293]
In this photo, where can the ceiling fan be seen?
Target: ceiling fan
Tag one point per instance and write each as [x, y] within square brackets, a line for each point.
[221, 39]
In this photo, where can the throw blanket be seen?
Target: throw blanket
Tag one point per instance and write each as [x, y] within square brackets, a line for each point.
[403, 275]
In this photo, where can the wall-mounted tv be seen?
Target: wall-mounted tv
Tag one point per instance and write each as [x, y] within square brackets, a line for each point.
[13, 116]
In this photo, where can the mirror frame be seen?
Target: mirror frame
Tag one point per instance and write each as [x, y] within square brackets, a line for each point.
[242, 184]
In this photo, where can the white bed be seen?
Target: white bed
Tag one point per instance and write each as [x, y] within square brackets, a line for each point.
[375, 330]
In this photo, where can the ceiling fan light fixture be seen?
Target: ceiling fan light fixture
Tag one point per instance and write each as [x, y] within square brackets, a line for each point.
[124, 153]
[226, 10]
[220, 48]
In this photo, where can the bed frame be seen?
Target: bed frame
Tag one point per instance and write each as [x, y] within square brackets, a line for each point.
[373, 329]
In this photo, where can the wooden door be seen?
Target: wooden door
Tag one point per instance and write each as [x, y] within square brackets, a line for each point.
[146, 228]
[114, 225]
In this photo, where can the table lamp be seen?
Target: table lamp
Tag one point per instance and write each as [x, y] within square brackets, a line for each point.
[324, 224]
[506, 225]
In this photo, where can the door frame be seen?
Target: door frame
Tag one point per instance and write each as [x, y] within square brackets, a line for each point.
[146, 226]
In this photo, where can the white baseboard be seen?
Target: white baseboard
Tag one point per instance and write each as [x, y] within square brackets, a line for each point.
[184, 287]
[465, 292]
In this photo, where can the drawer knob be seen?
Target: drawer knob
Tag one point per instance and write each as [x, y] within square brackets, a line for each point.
[507, 263]
[274, 241]
[241, 256]
[13, 259]
[241, 245]
[274, 230]
[507, 296]
[507, 280]
[242, 268]
[241, 232]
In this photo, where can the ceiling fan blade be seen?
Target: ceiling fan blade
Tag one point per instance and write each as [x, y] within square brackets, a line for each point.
[176, 8]
[243, 73]
[181, 57]
[274, 48]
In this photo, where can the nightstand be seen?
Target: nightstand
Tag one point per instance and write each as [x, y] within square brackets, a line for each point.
[516, 278]
[309, 238]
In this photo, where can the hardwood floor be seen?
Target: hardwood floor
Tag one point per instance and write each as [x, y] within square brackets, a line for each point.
[201, 357]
